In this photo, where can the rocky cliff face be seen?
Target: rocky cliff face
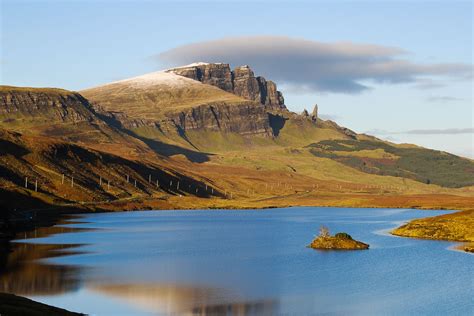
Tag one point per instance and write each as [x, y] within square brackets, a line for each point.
[244, 119]
[218, 75]
[241, 81]
[56, 113]
[52, 105]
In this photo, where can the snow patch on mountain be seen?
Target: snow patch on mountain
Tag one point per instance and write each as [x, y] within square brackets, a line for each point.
[159, 78]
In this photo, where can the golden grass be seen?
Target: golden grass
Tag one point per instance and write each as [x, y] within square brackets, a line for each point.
[154, 102]
[53, 91]
[458, 226]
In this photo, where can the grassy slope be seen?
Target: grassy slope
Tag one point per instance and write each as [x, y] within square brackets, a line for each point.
[152, 102]
[64, 115]
[420, 164]
[455, 226]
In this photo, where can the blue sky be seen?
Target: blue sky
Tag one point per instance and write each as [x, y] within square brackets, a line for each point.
[79, 44]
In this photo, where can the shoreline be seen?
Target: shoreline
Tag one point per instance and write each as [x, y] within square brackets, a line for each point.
[51, 216]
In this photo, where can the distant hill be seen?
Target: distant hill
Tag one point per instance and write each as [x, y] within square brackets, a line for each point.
[382, 158]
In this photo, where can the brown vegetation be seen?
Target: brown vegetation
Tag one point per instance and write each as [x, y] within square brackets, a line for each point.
[340, 241]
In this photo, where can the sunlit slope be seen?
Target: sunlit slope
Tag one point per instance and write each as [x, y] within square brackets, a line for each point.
[382, 158]
[63, 115]
[336, 152]
[152, 95]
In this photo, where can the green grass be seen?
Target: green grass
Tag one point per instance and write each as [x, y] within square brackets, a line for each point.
[420, 164]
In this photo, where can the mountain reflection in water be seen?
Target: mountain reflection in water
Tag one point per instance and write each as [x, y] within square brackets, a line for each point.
[23, 272]
[173, 299]
[24, 275]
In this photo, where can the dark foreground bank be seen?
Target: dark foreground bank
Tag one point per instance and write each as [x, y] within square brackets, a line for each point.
[13, 305]
[13, 222]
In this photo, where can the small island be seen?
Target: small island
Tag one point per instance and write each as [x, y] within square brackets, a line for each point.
[340, 241]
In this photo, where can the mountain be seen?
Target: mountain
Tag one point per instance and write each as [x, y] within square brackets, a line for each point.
[241, 81]
[174, 105]
[211, 137]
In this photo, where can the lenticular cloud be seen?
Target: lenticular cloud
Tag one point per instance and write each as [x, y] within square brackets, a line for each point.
[341, 67]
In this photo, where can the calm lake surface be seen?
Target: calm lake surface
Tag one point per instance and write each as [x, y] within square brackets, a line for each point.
[252, 262]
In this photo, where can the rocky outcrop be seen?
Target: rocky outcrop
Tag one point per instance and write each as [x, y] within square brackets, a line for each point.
[344, 130]
[241, 81]
[244, 119]
[269, 95]
[217, 74]
[245, 84]
[341, 241]
[314, 114]
[38, 105]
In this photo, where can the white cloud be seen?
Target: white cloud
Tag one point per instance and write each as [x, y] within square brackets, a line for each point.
[342, 67]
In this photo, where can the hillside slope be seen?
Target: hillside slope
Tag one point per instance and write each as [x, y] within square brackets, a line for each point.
[256, 121]
[211, 137]
[63, 115]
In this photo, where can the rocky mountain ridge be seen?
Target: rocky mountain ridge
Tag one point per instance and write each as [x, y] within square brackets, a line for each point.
[33, 104]
[211, 98]
[240, 81]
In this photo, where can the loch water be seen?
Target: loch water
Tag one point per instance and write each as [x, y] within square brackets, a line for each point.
[240, 262]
